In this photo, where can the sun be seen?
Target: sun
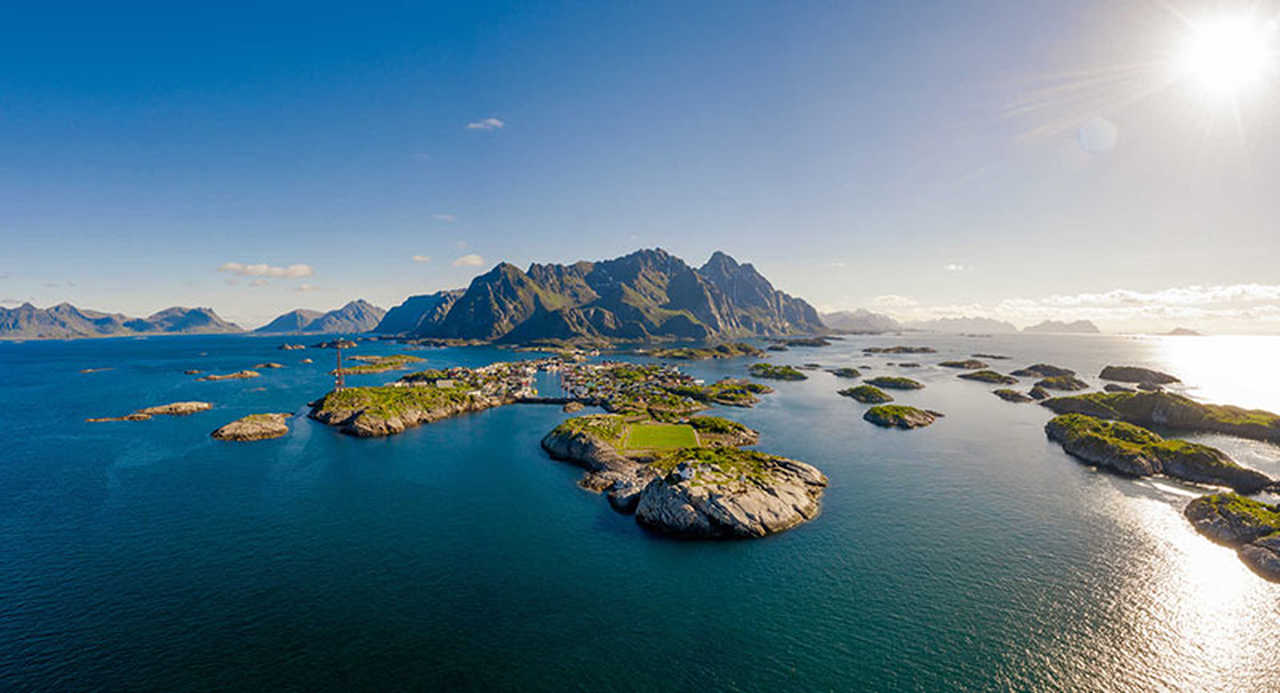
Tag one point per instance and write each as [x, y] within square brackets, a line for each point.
[1225, 56]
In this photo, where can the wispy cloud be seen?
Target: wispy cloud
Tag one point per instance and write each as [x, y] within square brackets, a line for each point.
[469, 260]
[1231, 307]
[954, 267]
[303, 288]
[422, 258]
[264, 270]
[10, 301]
[259, 282]
[486, 124]
[447, 218]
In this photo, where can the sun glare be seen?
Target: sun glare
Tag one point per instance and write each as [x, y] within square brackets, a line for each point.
[1226, 55]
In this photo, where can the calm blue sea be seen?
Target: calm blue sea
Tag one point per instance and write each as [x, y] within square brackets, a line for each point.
[970, 555]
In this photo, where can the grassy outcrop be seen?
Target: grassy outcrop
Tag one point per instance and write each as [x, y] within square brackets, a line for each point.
[1249, 526]
[1042, 370]
[1063, 382]
[867, 394]
[988, 376]
[385, 410]
[900, 350]
[899, 416]
[1135, 451]
[378, 364]
[772, 372]
[845, 372]
[1135, 374]
[894, 382]
[718, 351]
[1008, 395]
[733, 392]
[967, 364]
[1171, 411]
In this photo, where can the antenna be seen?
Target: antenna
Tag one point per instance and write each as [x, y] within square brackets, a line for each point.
[339, 381]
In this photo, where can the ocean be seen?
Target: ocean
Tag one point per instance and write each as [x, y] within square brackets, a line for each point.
[970, 555]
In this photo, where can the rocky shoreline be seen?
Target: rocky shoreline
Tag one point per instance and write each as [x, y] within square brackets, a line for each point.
[1249, 526]
[712, 492]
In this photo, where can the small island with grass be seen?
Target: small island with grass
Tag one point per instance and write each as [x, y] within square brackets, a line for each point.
[726, 350]
[967, 364]
[900, 350]
[171, 409]
[690, 479]
[773, 372]
[1135, 451]
[1062, 382]
[1171, 411]
[378, 364]
[895, 382]
[899, 416]
[867, 394]
[845, 372]
[988, 376]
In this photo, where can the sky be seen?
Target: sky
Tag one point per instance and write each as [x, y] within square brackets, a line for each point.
[1022, 160]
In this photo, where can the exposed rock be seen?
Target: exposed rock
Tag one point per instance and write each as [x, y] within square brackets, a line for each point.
[1039, 393]
[700, 500]
[997, 357]
[1042, 370]
[368, 412]
[867, 394]
[1112, 387]
[238, 375]
[291, 347]
[306, 361]
[895, 383]
[571, 407]
[1135, 451]
[1011, 395]
[900, 350]
[192, 371]
[1063, 382]
[173, 409]
[254, 427]
[270, 364]
[892, 415]
[1134, 374]
[1247, 525]
[967, 364]
[95, 370]
[1150, 387]
[988, 376]
[772, 372]
[845, 372]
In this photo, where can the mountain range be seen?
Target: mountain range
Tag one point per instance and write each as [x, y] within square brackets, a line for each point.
[1058, 327]
[65, 321]
[644, 295]
[860, 320]
[356, 316]
[965, 325]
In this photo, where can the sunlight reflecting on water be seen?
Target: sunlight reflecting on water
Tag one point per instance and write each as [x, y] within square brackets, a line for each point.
[1227, 369]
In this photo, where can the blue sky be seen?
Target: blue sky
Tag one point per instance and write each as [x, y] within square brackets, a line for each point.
[922, 159]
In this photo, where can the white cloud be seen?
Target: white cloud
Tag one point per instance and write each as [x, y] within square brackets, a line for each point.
[259, 282]
[10, 301]
[1230, 307]
[486, 124]
[894, 301]
[303, 288]
[422, 258]
[953, 267]
[469, 260]
[264, 270]
[447, 218]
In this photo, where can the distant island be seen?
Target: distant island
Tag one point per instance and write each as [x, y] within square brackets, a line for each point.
[962, 325]
[65, 321]
[1182, 332]
[1057, 327]
[861, 321]
[355, 317]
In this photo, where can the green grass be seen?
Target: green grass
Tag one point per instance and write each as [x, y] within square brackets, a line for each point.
[386, 401]
[845, 372]
[609, 428]
[716, 424]
[768, 370]
[1176, 409]
[989, 376]
[717, 464]
[894, 382]
[1247, 510]
[380, 364]
[1063, 382]
[867, 394]
[660, 436]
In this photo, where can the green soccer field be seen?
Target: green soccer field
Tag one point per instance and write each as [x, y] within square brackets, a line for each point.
[659, 436]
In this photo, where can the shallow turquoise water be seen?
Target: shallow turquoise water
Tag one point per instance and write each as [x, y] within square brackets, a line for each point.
[971, 554]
